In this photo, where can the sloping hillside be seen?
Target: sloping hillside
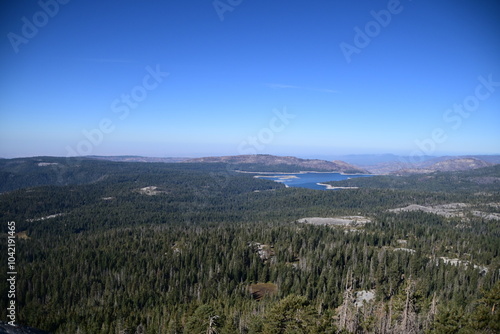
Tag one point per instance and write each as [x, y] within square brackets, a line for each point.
[280, 163]
[486, 179]
[448, 165]
[459, 164]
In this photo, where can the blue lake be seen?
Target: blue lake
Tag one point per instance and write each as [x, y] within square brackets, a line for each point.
[308, 180]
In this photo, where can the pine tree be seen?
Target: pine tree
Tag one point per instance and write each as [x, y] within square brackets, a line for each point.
[292, 315]
[486, 316]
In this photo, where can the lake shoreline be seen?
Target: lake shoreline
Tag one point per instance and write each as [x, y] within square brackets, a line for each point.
[330, 187]
[301, 172]
[310, 180]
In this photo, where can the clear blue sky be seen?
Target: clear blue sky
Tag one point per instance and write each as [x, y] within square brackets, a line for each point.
[234, 68]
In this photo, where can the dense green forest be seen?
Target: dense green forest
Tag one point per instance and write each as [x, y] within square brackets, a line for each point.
[108, 247]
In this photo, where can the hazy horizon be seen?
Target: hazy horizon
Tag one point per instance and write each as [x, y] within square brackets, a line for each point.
[194, 79]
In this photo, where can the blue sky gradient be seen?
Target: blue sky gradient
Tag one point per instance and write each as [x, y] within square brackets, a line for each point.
[229, 78]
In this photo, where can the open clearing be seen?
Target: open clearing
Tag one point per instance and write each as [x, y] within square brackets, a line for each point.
[450, 210]
[265, 252]
[340, 221]
[261, 290]
[364, 296]
[44, 218]
[151, 191]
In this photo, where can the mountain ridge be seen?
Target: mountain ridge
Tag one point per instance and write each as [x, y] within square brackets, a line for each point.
[448, 165]
[273, 160]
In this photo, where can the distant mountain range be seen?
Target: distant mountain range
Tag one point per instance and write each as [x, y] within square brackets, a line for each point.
[277, 161]
[394, 164]
[376, 159]
[449, 165]
[349, 164]
[360, 163]
[133, 158]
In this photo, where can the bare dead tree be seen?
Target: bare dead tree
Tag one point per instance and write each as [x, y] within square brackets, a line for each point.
[212, 324]
[348, 318]
[409, 317]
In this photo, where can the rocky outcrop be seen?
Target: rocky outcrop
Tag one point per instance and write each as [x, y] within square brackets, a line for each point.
[459, 164]
[5, 328]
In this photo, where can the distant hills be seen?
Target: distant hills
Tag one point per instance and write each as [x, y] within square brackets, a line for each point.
[58, 171]
[282, 163]
[39, 171]
[133, 158]
[476, 180]
[394, 164]
[364, 164]
[450, 165]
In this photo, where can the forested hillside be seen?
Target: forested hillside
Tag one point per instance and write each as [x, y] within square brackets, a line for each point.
[108, 247]
[477, 180]
[273, 163]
